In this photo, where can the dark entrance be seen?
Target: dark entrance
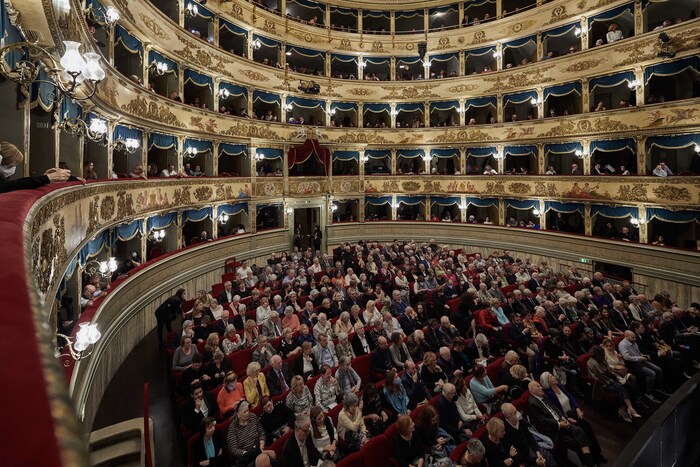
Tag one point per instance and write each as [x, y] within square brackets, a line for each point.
[305, 221]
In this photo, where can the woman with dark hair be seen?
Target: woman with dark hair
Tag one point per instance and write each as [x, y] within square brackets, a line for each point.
[432, 374]
[598, 368]
[433, 438]
[373, 410]
[167, 312]
[276, 419]
[395, 394]
[208, 448]
[323, 433]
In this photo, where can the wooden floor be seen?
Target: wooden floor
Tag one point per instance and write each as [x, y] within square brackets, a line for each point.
[124, 400]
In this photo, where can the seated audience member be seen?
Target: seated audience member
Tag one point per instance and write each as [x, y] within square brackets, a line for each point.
[381, 358]
[347, 377]
[450, 420]
[218, 368]
[299, 450]
[230, 394]
[255, 385]
[599, 369]
[323, 433]
[208, 450]
[416, 390]
[395, 394]
[614, 34]
[195, 372]
[299, 399]
[497, 451]
[482, 388]
[474, 455]
[327, 390]
[407, 445]
[263, 352]
[279, 376]
[182, 358]
[288, 346]
[351, 424]
[549, 420]
[468, 410]
[200, 405]
[306, 364]
[373, 410]
[432, 375]
[398, 351]
[519, 434]
[649, 375]
[245, 439]
[276, 419]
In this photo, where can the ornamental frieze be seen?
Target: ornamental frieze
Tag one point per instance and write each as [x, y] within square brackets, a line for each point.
[149, 110]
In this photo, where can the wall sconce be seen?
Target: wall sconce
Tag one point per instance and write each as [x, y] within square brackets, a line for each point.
[637, 221]
[259, 157]
[634, 84]
[536, 212]
[427, 63]
[224, 93]
[223, 218]
[697, 148]
[111, 15]
[362, 64]
[534, 101]
[75, 75]
[496, 55]
[86, 338]
[394, 113]
[395, 205]
[191, 10]
[290, 211]
[460, 110]
[498, 156]
[288, 53]
[156, 236]
[190, 152]
[103, 268]
[364, 159]
[95, 131]
[577, 32]
[331, 112]
[158, 68]
[427, 158]
[129, 145]
[257, 44]
[582, 154]
[334, 207]
[288, 107]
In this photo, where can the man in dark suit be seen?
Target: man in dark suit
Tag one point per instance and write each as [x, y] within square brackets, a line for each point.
[549, 420]
[361, 344]
[299, 450]
[449, 416]
[534, 282]
[200, 405]
[226, 296]
[279, 376]
[381, 358]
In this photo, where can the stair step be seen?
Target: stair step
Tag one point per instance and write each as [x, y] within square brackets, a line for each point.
[123, 452]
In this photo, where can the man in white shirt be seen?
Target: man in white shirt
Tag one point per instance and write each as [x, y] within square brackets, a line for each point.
[243, 269]
[169, 172]
[324, 352]
[649, 374]
[662, 170]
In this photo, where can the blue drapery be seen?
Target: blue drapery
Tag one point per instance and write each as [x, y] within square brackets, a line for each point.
[377, 153]
[444, 9]
[451, 152]
[130, 43]
[344, 58]
[98, 10]
[479, 52]
[231, 209]
[520, 150]
[306, 103]
[677, 217]
[476, 3]
[518, 43]
[266, 97]
[162, 141]
[376, 108]
[232, 28]
[126, 232]
[562, 148]
[94, 247]
[410, 107]
[197, 215]
[444, 57]
[614, 145]
[154, 56]
[271, 43]
[305, 52]
[201, 11]
[11, 35]
[614, 212]
[69, 109]
[376, 60]
[407, 60]
[565, 208]
[646, 3]
[481, 102]
[346, 155]
[199, 79]
[234, 90]
[410, 200]
[481, 151]
[562, 90]
[230, 149]
[610, 15]
[161, 222]
[611, 81]
[522, 204]
[519, 97]
[560, 31]
[378, 200]
[445, 200]
[43, 91]
[482, 202]
[123, 133]
[376, 14]
[344, 107]
[200, 145]
[310, 5]
[408, 14]
[673, 141]
[344, 11]
[410, 153]
[672, 68]
[271, 153]
[443, 106]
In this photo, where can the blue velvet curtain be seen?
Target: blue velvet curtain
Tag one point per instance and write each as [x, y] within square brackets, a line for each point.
[377, 153]
[344, 58]
[443, 106]
[199, 79]
[346, 155]
[160, 222]
[197, 215]
[234, 90]
[130, 43]
[200, 145]
[482, 202]
[445, 200]
[562, 148]
[304, 52]
[481, 151]
[162, 141]
[410, 153]
[566, 208]
[230, 149]
[270, 43]
[231, 209]
[410, 107]
[410, 200]
[520, 150]
[672, 68]
[611, 15]
[378, 200]
[266, 97]
[69, 109]
[562, 90]
[271, 153]
[306, 103]
[376, 107]
[232, 28]
[519, 97]
[344, 107]
[94, 247]
[154, 56]
[126, 232]
[123, 133]
[673, 141]
[451, 152]
[522, 204]
[481, 102]
[677, 217]
[613, 145]
[201, 11]
[611, 81]
[518, 43]
[615, 212]
[560, 31]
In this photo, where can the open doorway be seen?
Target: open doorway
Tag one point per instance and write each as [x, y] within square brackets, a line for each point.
[305, 222]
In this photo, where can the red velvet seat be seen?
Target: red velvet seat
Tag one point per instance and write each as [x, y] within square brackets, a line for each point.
[493, 370]
[351, 460]
[376, 452]
[333, 413]
[362, 366]
[459, 451]
[240, 360]
[216, 289]
[278, 445]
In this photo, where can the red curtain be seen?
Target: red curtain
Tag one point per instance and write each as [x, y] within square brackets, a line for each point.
[301, 154]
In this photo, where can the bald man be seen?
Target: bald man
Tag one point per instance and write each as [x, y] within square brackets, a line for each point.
[641, 366]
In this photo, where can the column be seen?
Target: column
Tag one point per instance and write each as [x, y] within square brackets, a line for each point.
[110, 46]
[216, 94]
[638, 19]
[110, 148]
[328, 64]
[360, 68]
[463, 208]
[359, 23]
[215, 220]
[540, 47]
[249, 102]
[641, 155]
[392, 66]
[327, 20]
[392, 22]
[393, 209]
[216, 30]
[144, 68]
[282, 57]
[461, 58]
[144, 154]
[426, 20]
[639, 77]
[643, 226]
[283, 107]
[328, 113]
[499, 109]
[283, 7]
[587, 221]
[181, 13]
[178, 225]
[249, 45]
[426, 114]
[181, 81]
[180, 163]
[360, 115]
[361, 209]
[541, 162]
[393, 114]
[499, 56]
[501, 211]
[543, 216]
[463, 113]
[361, 168]
[586, 145]
[460, 14]
[215, 155]
[499, 8]
[540, 103]
[253, 215]
[585, 96]
[393, 162]
[584, 33]
[462, 160]
[501, 160]
[285, 169]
